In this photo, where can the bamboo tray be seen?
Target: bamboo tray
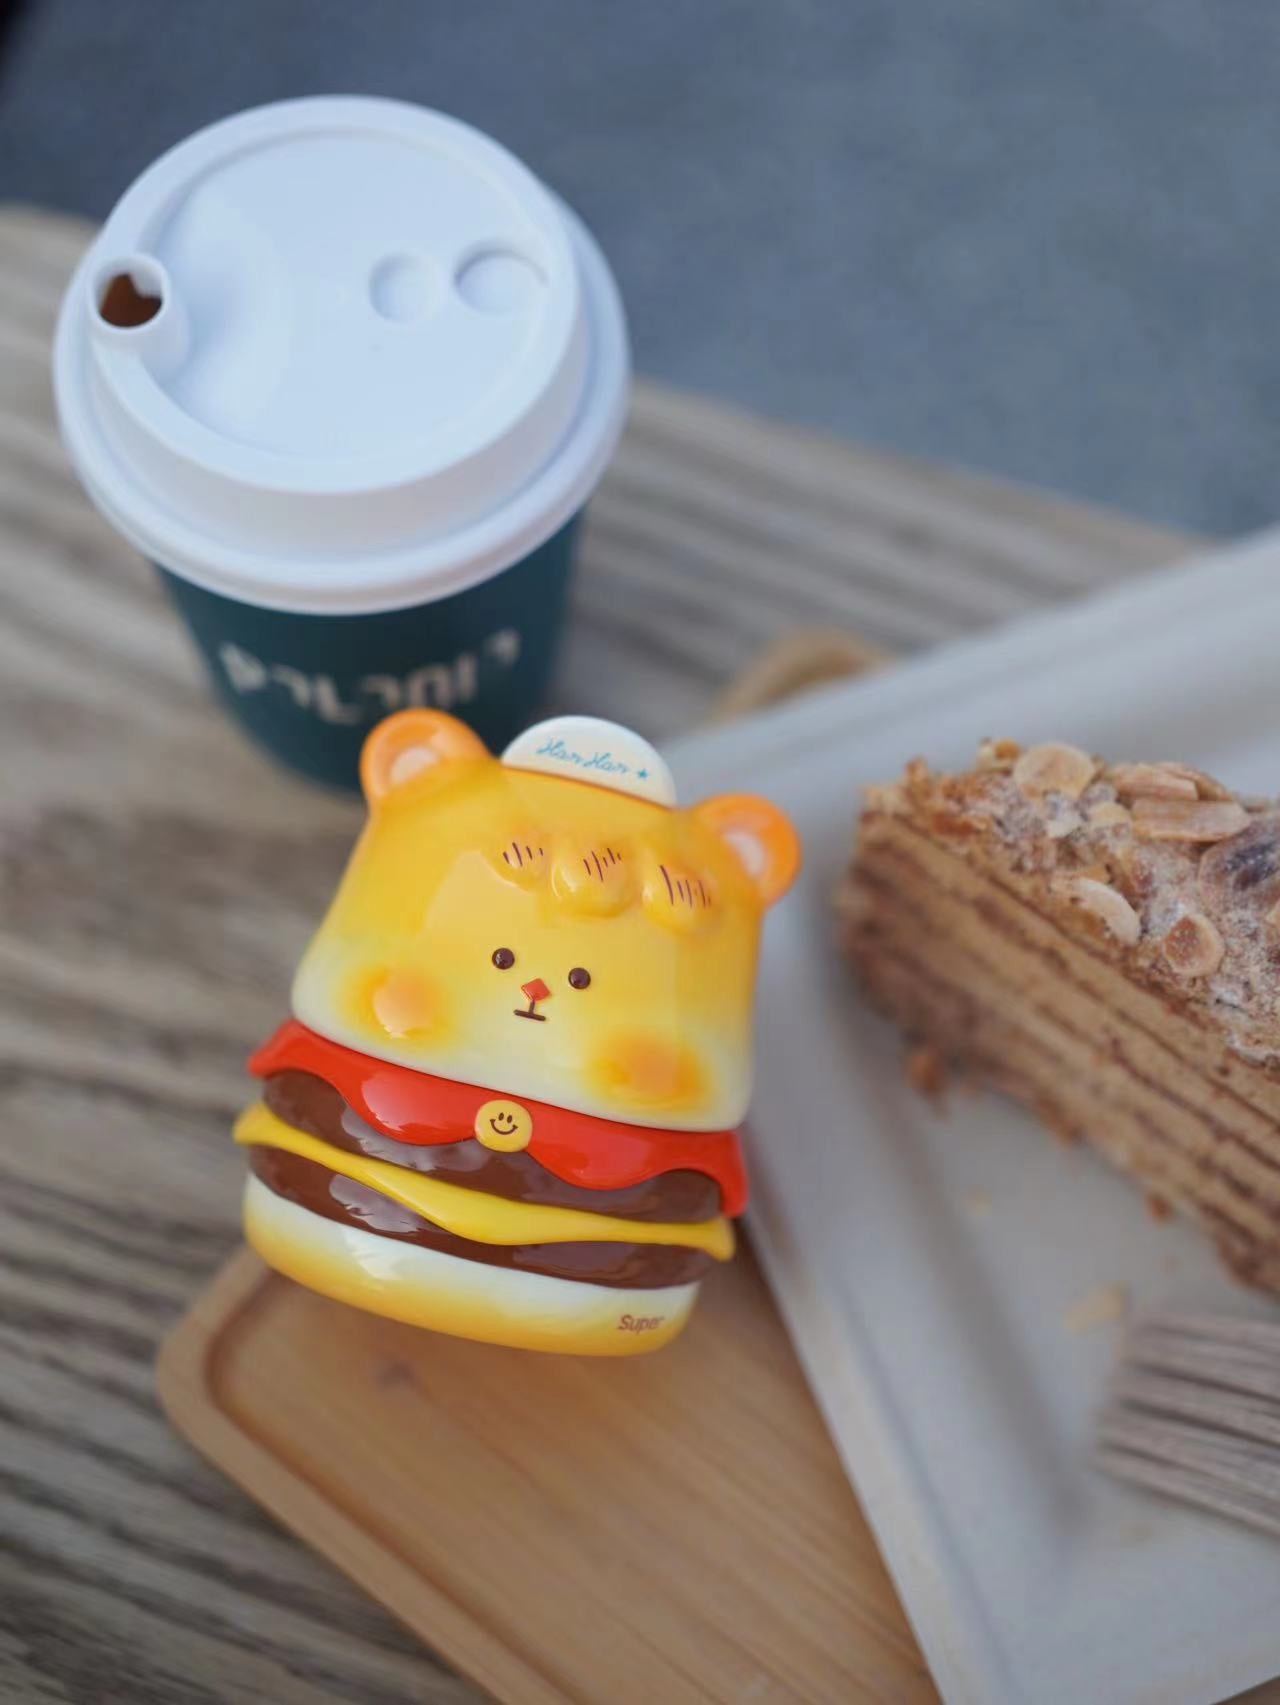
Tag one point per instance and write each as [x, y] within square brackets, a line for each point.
[674, 1527]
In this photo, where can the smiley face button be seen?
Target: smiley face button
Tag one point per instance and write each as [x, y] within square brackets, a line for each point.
[504, 1125]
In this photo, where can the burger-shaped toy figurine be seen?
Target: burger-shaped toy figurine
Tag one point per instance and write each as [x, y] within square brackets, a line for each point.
[505, 1106]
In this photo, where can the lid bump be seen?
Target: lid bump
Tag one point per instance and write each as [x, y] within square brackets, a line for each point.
[403, 287]
[499, 280]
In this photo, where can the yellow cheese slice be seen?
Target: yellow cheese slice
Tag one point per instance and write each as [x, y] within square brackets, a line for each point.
[473, 1213]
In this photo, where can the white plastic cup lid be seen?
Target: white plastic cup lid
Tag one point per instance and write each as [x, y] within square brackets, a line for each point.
[340, 354]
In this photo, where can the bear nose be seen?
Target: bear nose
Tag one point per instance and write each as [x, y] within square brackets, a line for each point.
[535, 991]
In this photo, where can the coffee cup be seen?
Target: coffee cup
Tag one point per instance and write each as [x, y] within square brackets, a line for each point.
[348, 373]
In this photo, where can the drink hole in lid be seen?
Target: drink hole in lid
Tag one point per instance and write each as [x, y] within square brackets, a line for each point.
[130, 292]
[135, 311]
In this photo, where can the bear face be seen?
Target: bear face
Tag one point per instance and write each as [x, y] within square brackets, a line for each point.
[546, 937]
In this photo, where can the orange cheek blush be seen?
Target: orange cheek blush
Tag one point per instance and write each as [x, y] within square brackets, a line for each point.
[400, 1003]
[645, 1071]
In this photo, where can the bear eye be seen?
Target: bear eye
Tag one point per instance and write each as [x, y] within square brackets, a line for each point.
[579, 979]
[503, 958]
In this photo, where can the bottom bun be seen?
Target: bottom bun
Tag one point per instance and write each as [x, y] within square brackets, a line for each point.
[422, 1287]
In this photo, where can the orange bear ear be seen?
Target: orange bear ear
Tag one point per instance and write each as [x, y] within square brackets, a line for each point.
[410, 742]
[760, 838]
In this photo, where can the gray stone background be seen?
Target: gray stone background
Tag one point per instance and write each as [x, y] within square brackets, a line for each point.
[1038, 239]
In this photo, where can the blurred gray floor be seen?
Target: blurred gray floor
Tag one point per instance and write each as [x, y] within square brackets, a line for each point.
[1036, 238]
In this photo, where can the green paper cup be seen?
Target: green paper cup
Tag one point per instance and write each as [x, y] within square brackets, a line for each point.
[347, 373]
[310, 687]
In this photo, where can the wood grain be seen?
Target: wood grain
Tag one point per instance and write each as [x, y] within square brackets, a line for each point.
[675, 1527]
[157, 880]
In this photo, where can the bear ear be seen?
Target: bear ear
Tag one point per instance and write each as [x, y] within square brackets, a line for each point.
[760, 838]
[410, 742]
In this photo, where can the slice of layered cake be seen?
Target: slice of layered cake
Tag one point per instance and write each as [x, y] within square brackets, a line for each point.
[1103, 943]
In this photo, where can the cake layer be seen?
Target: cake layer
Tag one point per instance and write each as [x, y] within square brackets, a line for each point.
[957, 1021]
[1142, 1128]
[1067, 977]
[1078, 1092]
[965, 957]
[1165, 1011]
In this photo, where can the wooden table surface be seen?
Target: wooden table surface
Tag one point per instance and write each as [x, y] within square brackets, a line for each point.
[145, 944]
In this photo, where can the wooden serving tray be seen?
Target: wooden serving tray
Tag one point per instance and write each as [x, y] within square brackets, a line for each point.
[670, 1527]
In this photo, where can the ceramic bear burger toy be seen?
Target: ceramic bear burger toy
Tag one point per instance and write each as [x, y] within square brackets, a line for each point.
[505, 1106]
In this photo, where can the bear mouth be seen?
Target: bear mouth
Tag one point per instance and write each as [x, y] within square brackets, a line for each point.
[528, 1012]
